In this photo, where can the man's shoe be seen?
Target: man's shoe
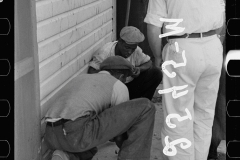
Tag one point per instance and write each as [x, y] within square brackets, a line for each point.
[60, 155]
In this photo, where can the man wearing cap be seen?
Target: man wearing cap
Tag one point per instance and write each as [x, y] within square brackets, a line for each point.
[145, 78]
[199, 46]
[94, 108]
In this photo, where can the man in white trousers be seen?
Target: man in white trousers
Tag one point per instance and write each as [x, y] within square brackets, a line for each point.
[199, 51]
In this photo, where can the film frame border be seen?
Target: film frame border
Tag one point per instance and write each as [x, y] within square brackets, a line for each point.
[232, 53]
[7, 78]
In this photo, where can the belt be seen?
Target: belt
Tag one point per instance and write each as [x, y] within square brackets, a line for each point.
[194, 35]
[57, 123]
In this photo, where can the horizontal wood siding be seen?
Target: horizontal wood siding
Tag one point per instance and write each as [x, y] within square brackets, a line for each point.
[68, 34]
[66, 72]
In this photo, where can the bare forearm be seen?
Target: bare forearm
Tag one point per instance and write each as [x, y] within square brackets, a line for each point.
[145, 66]
[155, 42]
[222, 30]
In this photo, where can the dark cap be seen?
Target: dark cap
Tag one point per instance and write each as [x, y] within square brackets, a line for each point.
[131, 35]
[115, 62]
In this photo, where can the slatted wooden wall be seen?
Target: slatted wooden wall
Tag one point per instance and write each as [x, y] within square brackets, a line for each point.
[68, 33]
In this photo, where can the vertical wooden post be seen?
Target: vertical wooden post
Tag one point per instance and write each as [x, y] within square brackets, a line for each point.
[127, 12]
[114, 12]
[27, 103]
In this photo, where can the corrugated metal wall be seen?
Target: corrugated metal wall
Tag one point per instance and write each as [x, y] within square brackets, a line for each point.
[68, 33]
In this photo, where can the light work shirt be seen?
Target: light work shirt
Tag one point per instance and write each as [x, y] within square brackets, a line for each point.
[137, 58]
[87, 93]
[198, 15]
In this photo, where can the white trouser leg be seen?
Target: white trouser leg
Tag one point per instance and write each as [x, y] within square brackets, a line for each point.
[203, 63]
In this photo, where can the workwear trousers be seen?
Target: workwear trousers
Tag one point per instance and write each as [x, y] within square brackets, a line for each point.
[189, 102]
[136, 117]
[145, 84]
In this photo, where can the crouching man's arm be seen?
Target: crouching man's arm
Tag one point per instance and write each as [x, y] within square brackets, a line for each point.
[97, 59]
[145, 66]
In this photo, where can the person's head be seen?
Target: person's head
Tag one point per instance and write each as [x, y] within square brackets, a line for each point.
[118, 67]
[129, 38]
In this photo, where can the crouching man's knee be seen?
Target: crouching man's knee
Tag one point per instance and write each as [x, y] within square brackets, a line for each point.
[156, 72]
[146, 104]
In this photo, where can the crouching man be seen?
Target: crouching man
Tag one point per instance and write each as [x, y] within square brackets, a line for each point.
[145, 78]
[94, 108]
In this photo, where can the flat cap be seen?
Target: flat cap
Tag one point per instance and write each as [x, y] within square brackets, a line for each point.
[115, 62]
[131, 35]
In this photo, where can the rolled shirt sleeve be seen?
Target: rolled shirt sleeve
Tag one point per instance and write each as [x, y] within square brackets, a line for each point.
[138, 57]
[97, 59]
[142, 58]
[101, 54]
[156, 9]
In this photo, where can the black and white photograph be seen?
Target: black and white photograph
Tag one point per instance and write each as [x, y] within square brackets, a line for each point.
[120, 79]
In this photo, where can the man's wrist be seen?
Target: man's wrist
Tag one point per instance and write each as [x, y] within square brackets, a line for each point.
[140, 69]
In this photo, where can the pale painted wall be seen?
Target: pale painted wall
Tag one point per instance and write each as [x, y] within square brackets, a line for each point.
[68, 33]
